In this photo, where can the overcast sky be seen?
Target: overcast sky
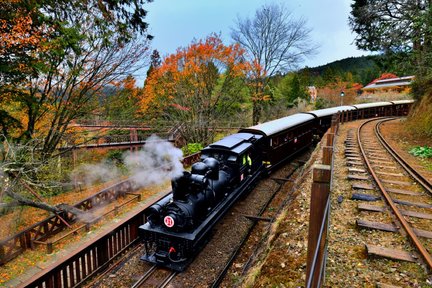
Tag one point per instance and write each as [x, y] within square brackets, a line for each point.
[175, 23]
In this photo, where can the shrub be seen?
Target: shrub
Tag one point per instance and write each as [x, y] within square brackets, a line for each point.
[192, 148]
[422, 152]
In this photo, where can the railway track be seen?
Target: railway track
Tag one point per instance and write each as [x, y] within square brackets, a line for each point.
[405, 196]
[248, 250]
[155, 277]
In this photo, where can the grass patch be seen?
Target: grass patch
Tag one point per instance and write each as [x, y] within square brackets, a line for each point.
[420, 120]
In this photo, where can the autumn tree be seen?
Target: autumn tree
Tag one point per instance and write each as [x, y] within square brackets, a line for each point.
[196, 86]
[74, 60]
[275, 42]
[121, 100]
[56, 57]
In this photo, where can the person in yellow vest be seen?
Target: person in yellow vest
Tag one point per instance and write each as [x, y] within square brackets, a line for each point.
[247, 161]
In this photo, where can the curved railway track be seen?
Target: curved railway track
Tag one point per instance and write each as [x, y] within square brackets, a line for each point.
[426, 183]
[385, 165]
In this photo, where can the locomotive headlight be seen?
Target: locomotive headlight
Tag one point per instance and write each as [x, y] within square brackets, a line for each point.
[169, 221]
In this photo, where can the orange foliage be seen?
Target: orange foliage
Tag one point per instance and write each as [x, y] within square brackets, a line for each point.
[19, 32]
[331, 92]
[129, 83]
[133, 92]
[187, 70]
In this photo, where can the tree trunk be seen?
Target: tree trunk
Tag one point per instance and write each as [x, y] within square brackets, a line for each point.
[256, 112]
[23, 201]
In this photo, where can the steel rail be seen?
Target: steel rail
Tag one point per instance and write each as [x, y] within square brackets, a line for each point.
[168, 279]
[427, 185]
[149, 273]
[425, 254]
[236, 251]
[144, 277]
[115, 266]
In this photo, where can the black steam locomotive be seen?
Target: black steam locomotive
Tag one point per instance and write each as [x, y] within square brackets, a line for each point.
[178, 225]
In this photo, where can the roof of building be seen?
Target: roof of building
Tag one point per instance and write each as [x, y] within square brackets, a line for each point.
[390, 82]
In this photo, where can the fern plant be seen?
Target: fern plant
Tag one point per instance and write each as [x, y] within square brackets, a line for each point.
[421, 151]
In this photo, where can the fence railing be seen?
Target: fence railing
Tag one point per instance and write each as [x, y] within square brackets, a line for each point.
[39, 233]
[320, 208]
[89, 260]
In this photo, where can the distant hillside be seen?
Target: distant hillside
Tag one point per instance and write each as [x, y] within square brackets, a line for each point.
[362, 69]
[350, 64]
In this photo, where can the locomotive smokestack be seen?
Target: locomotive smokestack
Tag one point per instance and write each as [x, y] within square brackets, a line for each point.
[180, 186]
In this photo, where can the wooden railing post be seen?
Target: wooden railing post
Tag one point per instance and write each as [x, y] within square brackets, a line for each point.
[333, 126]
[330, 139]
[327, 155]
[319, 197]
[49, 247]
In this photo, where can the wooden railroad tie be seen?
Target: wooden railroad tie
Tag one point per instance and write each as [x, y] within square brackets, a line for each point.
[281, 180]
[356, 170]
[352, 155]
[415, 204]
[394, 254]
[357, 177]
[390, 227]
[384, 167]
[375, 208]
[380, 161]
[354, 159]
[402, 191]
[354, 163]
[390, 174]
[377, 158]
[359, 186]
[258, 218]
[400, 183]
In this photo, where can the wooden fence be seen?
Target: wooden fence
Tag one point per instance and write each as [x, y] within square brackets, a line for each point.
[320, 208]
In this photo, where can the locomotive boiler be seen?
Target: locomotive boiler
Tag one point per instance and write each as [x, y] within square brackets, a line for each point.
[193, 195]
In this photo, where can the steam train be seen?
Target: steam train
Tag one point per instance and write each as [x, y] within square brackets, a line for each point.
[179, 224]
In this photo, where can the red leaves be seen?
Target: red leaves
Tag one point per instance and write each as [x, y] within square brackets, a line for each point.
[191, 70]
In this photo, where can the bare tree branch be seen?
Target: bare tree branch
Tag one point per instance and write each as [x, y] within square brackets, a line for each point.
[275, 42]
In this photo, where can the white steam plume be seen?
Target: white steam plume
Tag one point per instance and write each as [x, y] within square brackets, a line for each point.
[92, 173]
[158, 161]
